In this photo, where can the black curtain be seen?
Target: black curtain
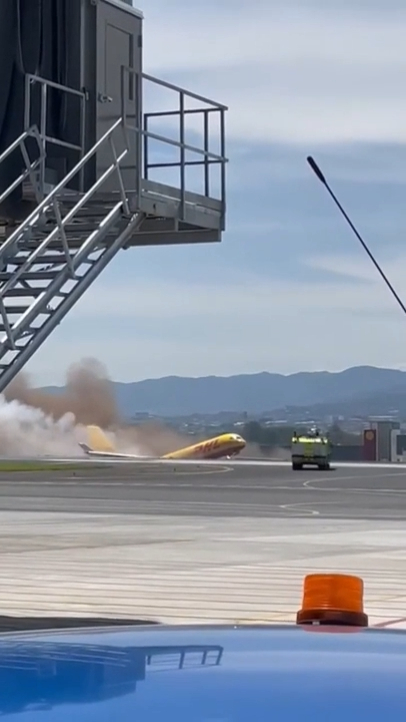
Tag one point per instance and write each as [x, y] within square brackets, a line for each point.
[34, 38]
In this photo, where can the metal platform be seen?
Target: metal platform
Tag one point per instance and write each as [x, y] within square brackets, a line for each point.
[50, 256]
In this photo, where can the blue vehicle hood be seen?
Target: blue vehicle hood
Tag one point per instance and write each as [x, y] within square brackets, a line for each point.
[203, 674]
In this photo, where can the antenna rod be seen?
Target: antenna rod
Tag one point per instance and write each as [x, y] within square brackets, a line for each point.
[315, 168]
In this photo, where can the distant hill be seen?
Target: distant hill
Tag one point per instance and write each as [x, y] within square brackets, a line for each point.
[360, 387]
[383, 403]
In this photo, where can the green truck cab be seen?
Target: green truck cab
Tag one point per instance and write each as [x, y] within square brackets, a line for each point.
[311, 449]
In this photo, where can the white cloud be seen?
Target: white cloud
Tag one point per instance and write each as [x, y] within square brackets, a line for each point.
[226, 36]
[354, 267]
[243, 325]
[359, 267]
[294, 72]
[243, 298]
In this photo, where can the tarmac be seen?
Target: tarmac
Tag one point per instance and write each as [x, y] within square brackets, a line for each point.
[210, 542]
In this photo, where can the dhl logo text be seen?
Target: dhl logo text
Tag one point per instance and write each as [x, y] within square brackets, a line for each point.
[207, 446]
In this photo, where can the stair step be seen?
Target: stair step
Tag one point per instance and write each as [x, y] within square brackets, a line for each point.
[96, 209]
[56, 242]
[26, 292]
[31, 276]
[73, 243]
[95, 212]
[52, 259]
[16, 310]
[36, 301]
[98, 199]
[78, 220]
[4, 330]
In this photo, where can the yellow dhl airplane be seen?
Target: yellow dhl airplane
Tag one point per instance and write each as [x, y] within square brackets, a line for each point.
[226, 445]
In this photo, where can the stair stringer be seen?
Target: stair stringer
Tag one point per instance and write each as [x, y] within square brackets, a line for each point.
[35, 337]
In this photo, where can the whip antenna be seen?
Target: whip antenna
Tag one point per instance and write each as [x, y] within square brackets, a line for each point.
[315, 168]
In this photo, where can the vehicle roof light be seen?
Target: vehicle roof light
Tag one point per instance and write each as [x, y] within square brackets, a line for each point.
[333, 599]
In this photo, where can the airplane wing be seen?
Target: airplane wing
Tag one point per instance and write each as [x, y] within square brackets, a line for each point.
[105, 454]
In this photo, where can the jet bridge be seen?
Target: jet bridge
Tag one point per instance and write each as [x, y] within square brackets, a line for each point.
[95, 166]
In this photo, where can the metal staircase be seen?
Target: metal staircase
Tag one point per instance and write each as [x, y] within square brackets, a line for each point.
[56, 253]
[49, 259]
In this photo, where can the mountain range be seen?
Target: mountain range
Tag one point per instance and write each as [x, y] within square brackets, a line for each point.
[357, 390]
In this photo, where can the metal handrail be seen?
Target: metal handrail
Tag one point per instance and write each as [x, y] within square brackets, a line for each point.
[162, 138]
[31, 132]
[79, 257]
[70, 215]
[169, 141]
[45, 85]
[143, 133]
[178, 89]
[33, 216]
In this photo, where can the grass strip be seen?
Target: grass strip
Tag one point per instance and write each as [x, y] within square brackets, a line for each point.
[41, 465]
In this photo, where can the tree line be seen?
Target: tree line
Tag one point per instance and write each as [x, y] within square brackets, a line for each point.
[255, 432]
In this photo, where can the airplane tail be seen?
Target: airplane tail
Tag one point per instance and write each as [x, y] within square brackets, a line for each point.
[98, 441]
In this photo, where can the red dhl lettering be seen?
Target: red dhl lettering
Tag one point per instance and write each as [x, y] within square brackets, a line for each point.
[208, 446]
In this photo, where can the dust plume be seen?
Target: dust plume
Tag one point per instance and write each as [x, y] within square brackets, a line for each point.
[150, 439]
[276, 453]
[34, 422]
[28, 432]
[88, 395]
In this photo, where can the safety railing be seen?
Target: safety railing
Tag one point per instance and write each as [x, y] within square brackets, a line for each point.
[30, 166]
[45, 87]
[52, 197]
[138, 121]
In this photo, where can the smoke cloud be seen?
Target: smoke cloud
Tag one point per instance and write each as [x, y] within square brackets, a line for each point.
[34, 422]
[151, 439]
[88, 395]
[26, 432]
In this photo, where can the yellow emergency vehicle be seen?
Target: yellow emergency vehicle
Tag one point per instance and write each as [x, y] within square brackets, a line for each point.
[311, 449]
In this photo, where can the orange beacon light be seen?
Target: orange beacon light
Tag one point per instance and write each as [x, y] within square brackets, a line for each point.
[335, 599]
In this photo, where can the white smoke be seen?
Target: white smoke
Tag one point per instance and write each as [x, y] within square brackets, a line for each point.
[35, 423]
[26, 431]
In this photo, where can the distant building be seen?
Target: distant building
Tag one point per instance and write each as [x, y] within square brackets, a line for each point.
[378, 439]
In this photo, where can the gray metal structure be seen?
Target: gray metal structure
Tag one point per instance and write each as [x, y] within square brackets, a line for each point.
[84, 199]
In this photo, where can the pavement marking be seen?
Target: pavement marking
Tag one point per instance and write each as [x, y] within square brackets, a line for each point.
[176, 507]
[188, 570]
[82, 482]
[360, 490]
[310, 483]
[181, 567]
[395, 623]
[302, 507]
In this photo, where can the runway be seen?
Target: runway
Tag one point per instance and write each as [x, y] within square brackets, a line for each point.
[209, 542]
[216, 490]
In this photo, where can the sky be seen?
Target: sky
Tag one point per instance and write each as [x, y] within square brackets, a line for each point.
[289, 288]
